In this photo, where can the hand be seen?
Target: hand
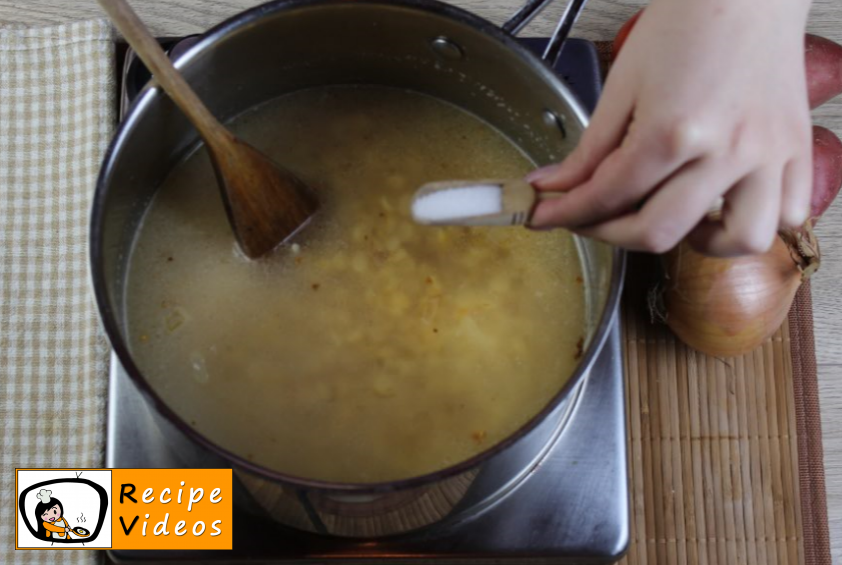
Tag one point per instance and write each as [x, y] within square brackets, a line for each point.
[707, 99]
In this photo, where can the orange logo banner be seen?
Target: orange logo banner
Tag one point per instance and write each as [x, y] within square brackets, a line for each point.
[180, 509]
[171, 509]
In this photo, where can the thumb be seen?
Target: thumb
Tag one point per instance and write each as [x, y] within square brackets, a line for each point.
[604, 134]
[574, 170]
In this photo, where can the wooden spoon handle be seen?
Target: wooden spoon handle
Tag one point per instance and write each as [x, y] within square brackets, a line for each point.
[153, 56]
[714, 213]
[548, 195]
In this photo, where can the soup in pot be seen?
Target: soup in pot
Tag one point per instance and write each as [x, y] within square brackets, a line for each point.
[372, 348]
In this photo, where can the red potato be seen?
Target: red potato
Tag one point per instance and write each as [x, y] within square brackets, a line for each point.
[824, 69]
[827, 170]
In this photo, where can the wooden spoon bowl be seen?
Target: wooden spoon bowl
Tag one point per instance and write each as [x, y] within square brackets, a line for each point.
[266, 203]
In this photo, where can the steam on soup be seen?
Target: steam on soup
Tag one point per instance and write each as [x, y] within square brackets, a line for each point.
[372, 349]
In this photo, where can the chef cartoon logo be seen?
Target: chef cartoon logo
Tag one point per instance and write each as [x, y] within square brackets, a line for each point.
[63, 509]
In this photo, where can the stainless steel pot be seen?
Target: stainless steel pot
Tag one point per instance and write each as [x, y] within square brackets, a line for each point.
[288, 45]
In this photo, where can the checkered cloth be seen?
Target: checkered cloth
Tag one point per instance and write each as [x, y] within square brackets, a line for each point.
[56, 117]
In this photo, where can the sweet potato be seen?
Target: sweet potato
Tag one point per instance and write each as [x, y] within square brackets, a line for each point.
[824, 69]
[827, 170]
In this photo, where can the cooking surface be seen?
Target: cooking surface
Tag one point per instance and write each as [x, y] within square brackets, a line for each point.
[573, 507]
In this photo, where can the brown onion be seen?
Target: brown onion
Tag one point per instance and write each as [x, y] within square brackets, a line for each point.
[727, 307]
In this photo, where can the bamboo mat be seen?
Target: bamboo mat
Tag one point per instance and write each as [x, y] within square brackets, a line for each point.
[725, 454]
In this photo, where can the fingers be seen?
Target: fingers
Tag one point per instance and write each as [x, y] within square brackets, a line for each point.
[623, 179]
[749, 221]
[605, 132]
[667, 216]
[647, 159]
[797, 191]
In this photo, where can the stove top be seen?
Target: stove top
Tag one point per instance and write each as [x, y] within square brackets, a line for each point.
[572, 508]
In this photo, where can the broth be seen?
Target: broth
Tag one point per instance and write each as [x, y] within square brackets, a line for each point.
[373, 349]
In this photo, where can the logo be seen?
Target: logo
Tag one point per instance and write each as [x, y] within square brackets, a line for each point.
[63, 509]
[124, 509]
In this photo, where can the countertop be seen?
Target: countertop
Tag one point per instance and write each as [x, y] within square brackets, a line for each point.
[600, 21]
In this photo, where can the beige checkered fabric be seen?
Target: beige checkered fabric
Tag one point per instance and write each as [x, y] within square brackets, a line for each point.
[56, 117]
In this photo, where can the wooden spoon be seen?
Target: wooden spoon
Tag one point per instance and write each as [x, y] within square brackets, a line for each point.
[266, 204]
[490, 202]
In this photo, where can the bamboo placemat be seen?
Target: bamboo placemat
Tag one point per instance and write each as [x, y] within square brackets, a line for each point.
[725, 454]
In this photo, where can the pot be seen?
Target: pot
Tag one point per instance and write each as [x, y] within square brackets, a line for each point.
[288, 45]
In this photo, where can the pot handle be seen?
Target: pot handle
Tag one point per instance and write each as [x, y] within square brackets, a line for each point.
[525, 15]
[531, 9]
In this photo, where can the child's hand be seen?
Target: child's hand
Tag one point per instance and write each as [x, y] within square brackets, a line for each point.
[707, 99]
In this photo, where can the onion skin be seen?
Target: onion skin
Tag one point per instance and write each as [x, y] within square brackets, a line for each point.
[728, 307]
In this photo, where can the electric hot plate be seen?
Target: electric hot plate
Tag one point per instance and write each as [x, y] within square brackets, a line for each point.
[573, 507]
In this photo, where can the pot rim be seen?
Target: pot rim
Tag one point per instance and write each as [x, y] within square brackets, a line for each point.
[111, 326]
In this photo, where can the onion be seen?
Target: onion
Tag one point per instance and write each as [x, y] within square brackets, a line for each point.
[727, 307]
